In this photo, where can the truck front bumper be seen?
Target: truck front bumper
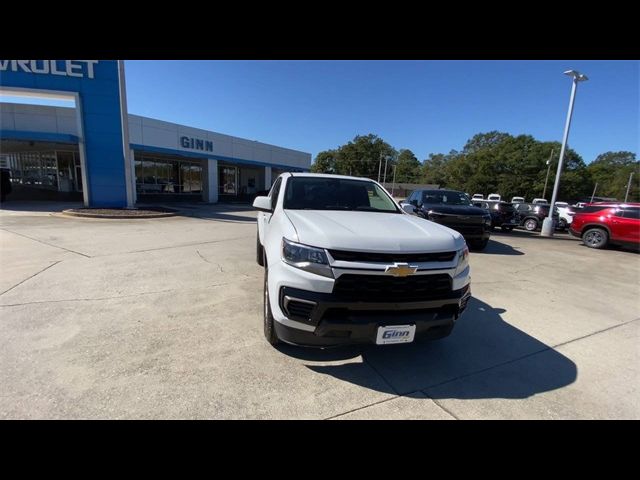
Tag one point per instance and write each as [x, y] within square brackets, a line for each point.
[330, 321]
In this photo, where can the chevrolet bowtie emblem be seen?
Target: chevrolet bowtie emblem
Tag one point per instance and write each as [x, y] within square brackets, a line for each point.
[400, 269]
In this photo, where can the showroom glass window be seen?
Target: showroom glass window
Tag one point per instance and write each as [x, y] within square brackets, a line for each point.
[49, 170]
[158, 175]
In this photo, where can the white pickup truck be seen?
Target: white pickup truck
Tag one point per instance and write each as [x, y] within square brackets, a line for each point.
[344, 264]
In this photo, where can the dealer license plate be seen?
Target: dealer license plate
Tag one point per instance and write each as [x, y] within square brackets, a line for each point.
[395, 334]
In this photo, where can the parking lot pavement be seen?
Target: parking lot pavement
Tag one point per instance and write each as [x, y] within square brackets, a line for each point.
[161, 318]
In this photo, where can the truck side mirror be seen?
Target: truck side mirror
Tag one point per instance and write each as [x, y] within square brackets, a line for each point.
[263, 204]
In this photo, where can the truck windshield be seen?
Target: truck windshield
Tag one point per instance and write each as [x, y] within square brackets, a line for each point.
[322, 193]
[444, 197]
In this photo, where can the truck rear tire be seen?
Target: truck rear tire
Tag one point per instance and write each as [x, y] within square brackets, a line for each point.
[595, 238]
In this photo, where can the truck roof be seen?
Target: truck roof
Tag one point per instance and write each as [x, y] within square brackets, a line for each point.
[327, 175]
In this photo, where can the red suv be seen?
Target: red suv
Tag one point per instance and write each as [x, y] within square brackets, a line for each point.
[599, 224]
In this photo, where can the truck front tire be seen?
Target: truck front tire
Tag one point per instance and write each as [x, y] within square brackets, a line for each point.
[259, 251]
[269, 328]
[479, 244]
[531, 224]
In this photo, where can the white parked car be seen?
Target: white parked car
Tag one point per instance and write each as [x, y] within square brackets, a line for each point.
[517, 200]
[494, 197]
[343, 264]
[477, 196]
[541, 201]
[565, 212]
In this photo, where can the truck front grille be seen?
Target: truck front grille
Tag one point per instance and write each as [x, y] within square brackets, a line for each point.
[382, 288]
[466, 229]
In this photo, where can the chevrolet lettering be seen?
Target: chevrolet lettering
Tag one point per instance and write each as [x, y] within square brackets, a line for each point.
[64, 68]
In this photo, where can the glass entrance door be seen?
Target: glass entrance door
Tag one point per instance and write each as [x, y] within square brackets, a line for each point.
[65, 171]
[227, 180]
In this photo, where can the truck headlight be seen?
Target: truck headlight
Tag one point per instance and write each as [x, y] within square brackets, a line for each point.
[463, 259]
[306, 258]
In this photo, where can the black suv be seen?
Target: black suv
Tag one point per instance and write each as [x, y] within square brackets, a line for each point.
[503, 214]
[533, 214]
[452, 209]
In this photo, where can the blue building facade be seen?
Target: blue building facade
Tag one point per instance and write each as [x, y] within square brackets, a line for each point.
[109, 158]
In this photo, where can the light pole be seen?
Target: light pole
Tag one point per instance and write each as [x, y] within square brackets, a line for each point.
[594, 192]
[386, 159]
[393, 185]
[628, 187]
[544, 192]
[379, 166]
[547, 224]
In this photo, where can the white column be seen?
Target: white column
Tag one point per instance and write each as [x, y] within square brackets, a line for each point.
[82, 150]
[267, 178]
[129, 175]
[210, 193]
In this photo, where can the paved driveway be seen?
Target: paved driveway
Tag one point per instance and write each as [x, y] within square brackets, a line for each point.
[162, 319]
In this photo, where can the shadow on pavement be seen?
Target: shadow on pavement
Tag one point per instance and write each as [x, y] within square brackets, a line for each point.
[218, 212]
[453, 367]
[498, 248]
[521, 233]
[617, 248]
[219, 216]
[38, 206]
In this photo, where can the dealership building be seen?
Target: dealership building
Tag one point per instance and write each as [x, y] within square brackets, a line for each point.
[99, 153]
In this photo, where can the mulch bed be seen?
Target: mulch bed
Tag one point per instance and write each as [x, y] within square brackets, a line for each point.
[153, 212]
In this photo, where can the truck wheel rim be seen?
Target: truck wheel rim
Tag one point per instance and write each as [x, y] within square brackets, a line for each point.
[530, 225]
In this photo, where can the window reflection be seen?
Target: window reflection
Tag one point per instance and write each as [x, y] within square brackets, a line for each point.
[159, 175]
[228, 180]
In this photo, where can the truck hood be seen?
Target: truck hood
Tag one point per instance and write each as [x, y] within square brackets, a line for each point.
[372, 231]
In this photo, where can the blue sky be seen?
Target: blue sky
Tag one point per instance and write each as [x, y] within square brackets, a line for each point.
[426, 106]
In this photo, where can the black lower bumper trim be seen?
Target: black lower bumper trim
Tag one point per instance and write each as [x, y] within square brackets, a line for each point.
[343, 323]
[333, 334]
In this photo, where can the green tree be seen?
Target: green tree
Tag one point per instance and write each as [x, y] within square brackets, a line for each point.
[407, 167]
[434, 168]
[611, 170]
[482, 141]
[325, 162]
[497, 162]
[361, 156]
